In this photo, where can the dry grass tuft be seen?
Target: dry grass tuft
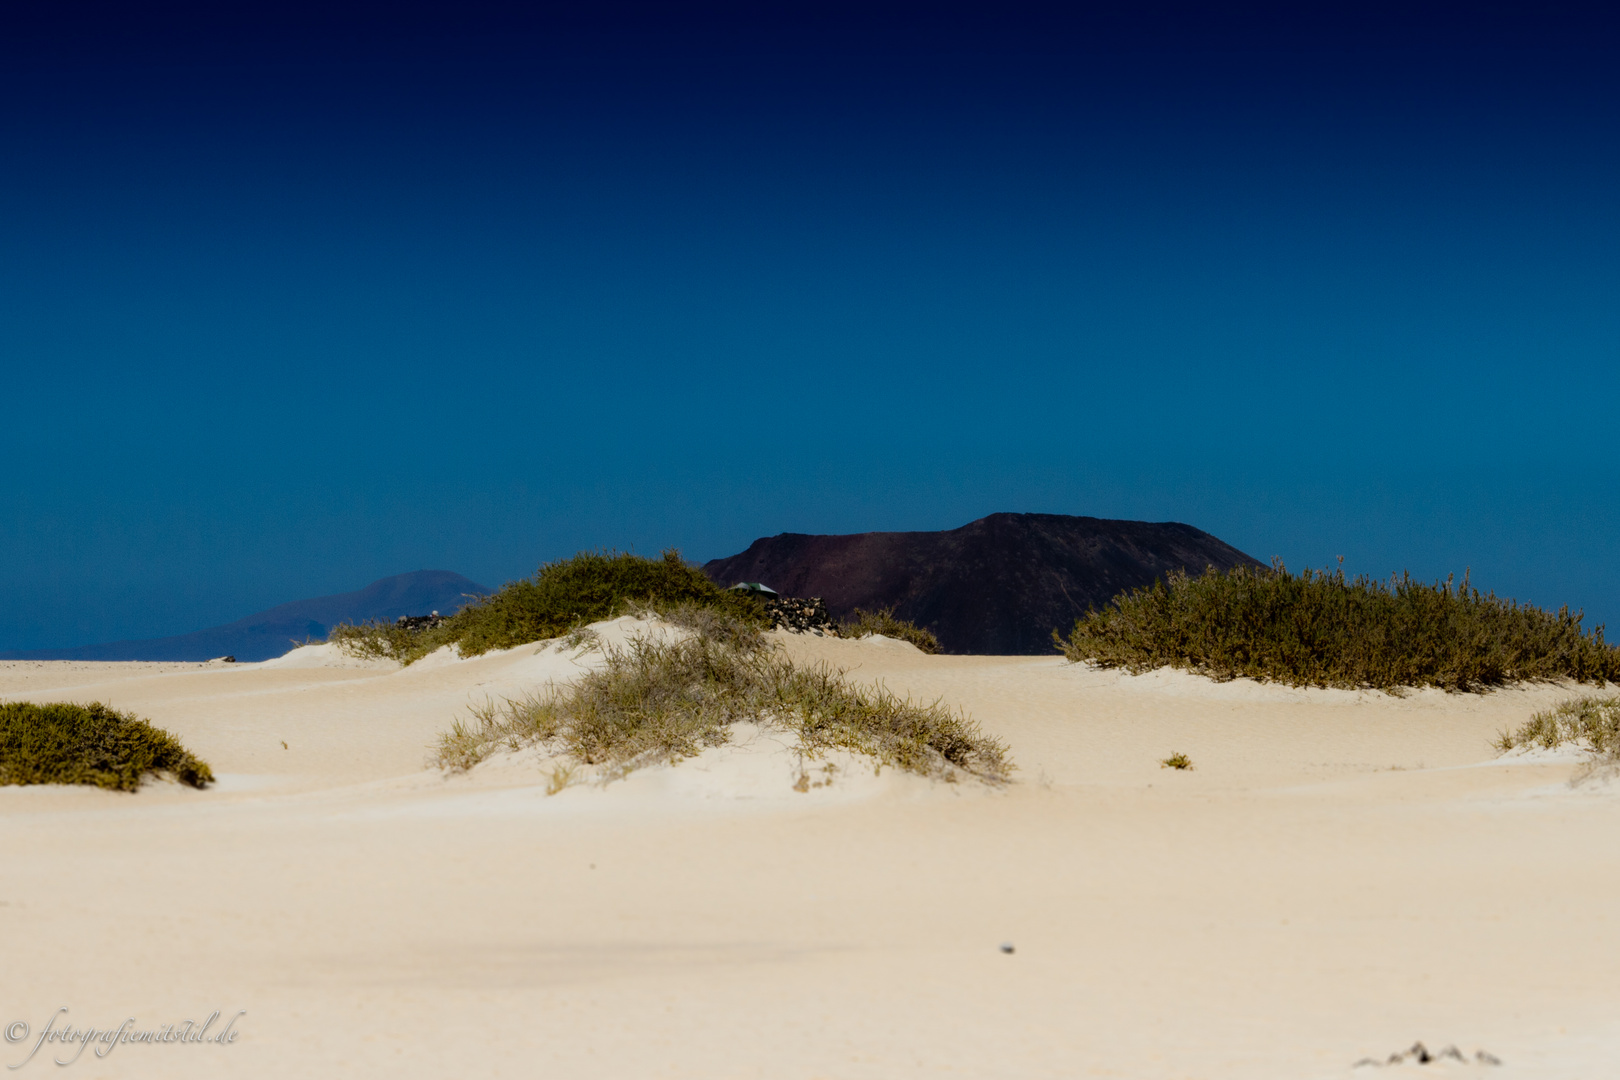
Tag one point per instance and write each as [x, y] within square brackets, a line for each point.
[863, 623]
[663, 700]
[1592, 723]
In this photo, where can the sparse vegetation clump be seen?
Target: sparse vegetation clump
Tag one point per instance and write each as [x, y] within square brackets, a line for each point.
[663, 700]
[562, 596]
[1592, 723]
[1177, 761]
[379, 639]
[1321, 629]
[89, 744]
[864, 623]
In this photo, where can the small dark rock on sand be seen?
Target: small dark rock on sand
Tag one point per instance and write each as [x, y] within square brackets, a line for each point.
[1422, 1055]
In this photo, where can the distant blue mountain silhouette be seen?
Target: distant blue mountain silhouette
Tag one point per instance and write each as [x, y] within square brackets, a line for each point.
[271, 633]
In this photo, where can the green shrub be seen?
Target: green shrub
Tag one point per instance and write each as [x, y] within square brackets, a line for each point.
[561, 596]
[378, 639]
[658, 701]
[89, 744]
[1319, 629]
[882, 621]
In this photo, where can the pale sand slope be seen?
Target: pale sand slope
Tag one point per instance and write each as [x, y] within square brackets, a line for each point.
[1344, 873]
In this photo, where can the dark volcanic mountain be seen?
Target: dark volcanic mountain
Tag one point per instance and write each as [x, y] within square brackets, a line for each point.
[998, 586]
[271, 633]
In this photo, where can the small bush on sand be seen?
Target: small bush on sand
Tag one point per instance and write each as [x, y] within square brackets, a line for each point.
[664, 700]
[1319, 629]
[882, 621]
[89, 744]
[1590, 722]
[560, 597]
[378, 639]
[1177, 761]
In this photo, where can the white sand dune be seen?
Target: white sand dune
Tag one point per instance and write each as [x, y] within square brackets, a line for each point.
[1342, 874]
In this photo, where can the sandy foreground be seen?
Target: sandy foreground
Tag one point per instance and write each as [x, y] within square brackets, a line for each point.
[1343, 874]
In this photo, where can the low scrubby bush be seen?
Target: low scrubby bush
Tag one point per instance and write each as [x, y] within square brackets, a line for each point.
[561, 596]
[863, 623]
[89, 744]
[1321, 629]
[662, 700]
[379, 639]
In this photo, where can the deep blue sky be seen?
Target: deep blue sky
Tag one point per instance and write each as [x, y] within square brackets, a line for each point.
[293, 300]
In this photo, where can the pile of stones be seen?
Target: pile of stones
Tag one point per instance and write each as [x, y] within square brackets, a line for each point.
[802, 616]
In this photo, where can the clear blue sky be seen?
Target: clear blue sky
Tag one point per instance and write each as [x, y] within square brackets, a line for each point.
[294, 299]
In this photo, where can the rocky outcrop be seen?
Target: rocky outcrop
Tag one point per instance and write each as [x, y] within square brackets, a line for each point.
[999, 585]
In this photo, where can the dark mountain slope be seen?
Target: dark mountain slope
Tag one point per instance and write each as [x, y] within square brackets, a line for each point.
[270, 633]
[998, 586]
